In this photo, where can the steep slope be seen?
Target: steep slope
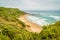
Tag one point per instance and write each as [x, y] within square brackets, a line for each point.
[13, 29]
[9, 22]
[9, 16]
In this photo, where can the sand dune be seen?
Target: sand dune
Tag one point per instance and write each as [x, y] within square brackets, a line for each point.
[30, 26]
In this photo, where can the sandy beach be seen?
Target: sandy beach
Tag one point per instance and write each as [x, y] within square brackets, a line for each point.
[30, 26]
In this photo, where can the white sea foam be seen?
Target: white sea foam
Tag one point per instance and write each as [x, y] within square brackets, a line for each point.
[56, 17]
[36, 20]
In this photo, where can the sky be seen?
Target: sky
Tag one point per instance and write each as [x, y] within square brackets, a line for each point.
[31, 4]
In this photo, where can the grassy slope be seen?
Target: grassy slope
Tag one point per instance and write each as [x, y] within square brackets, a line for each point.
[9, 16]
[13, 29]
[9, 21]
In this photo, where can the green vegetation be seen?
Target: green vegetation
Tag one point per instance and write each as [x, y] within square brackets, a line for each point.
[9, 16]
[51, 32]
[13, 29]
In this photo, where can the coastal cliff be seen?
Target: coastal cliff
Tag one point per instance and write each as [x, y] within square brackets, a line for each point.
[14, 26]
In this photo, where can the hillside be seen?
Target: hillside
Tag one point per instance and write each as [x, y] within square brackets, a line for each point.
[9, 16]
[9, 21]
[13, 29]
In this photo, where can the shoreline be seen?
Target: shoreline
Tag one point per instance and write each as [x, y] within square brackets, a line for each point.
[30, 26]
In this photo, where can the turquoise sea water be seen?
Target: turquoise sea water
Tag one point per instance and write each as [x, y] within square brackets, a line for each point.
[48, 16]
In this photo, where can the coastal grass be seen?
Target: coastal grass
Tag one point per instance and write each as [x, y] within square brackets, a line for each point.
[10, 15]
[13, 29]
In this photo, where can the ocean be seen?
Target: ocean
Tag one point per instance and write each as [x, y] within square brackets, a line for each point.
[43, 17]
